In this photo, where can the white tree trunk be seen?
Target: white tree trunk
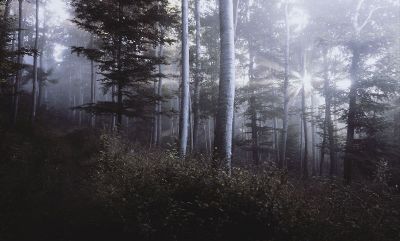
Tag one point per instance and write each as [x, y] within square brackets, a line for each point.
[224, 122]
[184, 112]
[283, 162]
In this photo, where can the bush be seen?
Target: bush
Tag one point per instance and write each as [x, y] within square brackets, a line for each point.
[155, 196]
[86, 186]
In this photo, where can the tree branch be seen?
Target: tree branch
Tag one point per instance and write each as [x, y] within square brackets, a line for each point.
[368, 18]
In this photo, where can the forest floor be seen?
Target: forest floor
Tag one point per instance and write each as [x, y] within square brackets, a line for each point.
[58, 183]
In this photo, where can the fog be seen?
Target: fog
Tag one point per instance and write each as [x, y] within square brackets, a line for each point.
[305, 89]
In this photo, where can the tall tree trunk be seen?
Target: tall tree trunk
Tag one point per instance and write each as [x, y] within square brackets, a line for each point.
[7, 7]
[41, 80]
[224, 121]
[252, 107]
[119, 87]
[328, 117]
[304, 116]
[276, 135]
[92, 92]
[20, 59]
[348, 159]
[283, 162]
[160, 93]
[323, 146]
[35, 65]
[154, 136]
[313, 141]
[304, 120]
[184, 110]
[197, 80]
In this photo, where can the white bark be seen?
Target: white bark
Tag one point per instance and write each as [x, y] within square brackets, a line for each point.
[283, 162]
[184, 112]
[224, 122]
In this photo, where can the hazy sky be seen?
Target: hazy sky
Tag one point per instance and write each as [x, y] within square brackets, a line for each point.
[57, 9]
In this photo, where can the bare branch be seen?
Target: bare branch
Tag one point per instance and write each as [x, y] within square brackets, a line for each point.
[367, 20]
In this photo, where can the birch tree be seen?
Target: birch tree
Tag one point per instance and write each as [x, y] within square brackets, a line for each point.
[184, 110]
[224, 120]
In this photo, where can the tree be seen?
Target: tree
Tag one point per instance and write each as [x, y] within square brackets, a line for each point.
[20, 59]
[358, 46]
[224, 122]
[283, 162]
[197, 80]
[127, 36]
[304, 117]
[35, 65]
[185, 85]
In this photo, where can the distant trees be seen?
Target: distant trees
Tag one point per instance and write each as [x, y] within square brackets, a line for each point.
[260, 52]
[127, 36]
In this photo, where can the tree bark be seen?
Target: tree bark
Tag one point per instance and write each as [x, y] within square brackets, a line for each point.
[35, 65]
[160, 93]
[276, 135]
[224, 121]
[7, 7]
[184, 112]
[314, 164]
[351, 116]
[92, 91]
[252, 107]
[197, 80]
[20, 59]
[304, 121]
[328, 117]
[283, 162]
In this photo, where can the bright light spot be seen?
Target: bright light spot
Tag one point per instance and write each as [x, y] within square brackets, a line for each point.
[58, 52]
[307, 81]
[58, 12]
[299, 19]
[343, 84]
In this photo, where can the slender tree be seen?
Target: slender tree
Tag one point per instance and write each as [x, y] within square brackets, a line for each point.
[355, 48]
[304, 118]
[283, 162]
[7, 7]
[224, 120]
[35, 65]
[92, 86]
[197, 80]
[19, 61]
[184, 110]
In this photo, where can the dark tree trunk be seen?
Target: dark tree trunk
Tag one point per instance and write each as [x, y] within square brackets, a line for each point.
[348, 159]
[7, 7]
[253, 111]
[35, 65]
[20, 58]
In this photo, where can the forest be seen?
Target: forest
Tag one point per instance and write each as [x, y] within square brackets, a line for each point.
[200, 120]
